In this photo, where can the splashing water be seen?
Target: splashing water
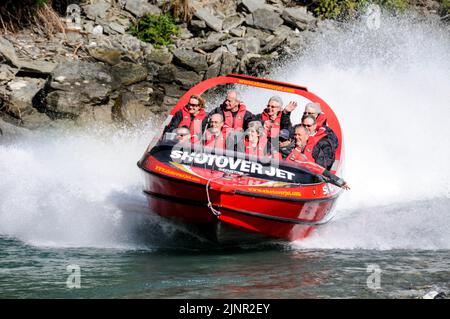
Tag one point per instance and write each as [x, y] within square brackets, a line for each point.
[389, 88]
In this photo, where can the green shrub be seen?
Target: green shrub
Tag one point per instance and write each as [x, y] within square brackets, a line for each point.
[156, 30]
[341, 9]
[445, 7]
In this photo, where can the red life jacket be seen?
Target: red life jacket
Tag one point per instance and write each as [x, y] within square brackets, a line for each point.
[312, 141]
[236, 123]
[259, 150]
[214, 141]
[272, 128]
[304, 161]
[321, 120]
[194, 125]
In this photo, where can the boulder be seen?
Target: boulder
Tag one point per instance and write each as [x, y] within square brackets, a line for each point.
[211, 21]
[20, 93]
[187, 79]
[129, 73]
[161, 56]
[229, 62]
[266, 19]
[190, 59]
[107, 55]
[7, 73]
[97, 9]
[298, 17]
[252, 5]
[232, 22]
[140, 8]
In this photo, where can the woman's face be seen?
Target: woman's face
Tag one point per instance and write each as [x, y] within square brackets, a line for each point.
[253, 135]
[193, 106]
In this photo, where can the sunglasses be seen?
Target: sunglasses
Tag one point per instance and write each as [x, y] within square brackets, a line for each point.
[273, 106]
[307, 125]
[309, 113]
[193, 105]
[182, 134]
[283, 139]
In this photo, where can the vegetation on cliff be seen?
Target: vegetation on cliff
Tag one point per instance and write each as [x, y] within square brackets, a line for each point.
[156, 30]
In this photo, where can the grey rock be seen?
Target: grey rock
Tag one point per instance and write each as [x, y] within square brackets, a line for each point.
[216, 36]
[216, 56]
[8, 51]
[152, 69]
[209, 45]
[210, 20]
[160, 56]
[167, 73]
[7, 73]
[173, 90]
[266, 19]
[97, 9]
[190, 59]
[273, 44]
[238, 32]
[107, 55]
[229, 62]
[141, 8]
[252, 5]
[197, 25]
[168, 103]
[213, 70]
[21, 93]
[249, 45]
[298, 18]
[187, 79]
[184, 33]
[232, 22]
[117, 27]
[129, 73]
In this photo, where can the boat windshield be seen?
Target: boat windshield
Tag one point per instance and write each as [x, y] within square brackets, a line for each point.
[231, 162]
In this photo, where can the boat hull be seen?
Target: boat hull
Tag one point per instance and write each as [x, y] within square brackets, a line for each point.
[233, 215]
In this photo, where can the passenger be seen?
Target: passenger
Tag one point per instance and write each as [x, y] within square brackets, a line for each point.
[255, 143]
[234, 112]
[319, 146]
[216, 133]
[273, 118]
[314, 109]
[285, 145]
[301, 136]
[183, 135]
[191, 116]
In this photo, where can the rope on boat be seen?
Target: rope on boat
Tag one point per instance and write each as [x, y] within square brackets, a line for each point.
[210, 206]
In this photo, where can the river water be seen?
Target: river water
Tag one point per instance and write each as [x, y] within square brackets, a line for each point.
[72, 213]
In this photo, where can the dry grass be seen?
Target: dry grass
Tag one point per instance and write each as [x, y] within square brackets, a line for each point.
[13, 18]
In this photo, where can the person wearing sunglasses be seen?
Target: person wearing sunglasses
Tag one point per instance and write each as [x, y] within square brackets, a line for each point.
[285, 145]
[183, 135]
[304, 158]
[191, 116]
[314, 110]
[273, 119]
[319, 146]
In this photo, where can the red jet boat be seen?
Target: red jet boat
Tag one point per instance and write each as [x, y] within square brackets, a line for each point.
[227, 196]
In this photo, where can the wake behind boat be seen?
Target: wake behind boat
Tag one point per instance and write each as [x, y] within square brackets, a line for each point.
[225, 194]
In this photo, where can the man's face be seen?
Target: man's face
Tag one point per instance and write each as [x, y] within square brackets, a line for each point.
[284, 142]
[216, 123]
[309, 124]
[300, 136]
[183, 136]
[273, 107]
[231, 101]
[310, 111]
